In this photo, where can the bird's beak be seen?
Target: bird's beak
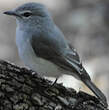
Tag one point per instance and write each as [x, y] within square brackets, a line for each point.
[11, 13]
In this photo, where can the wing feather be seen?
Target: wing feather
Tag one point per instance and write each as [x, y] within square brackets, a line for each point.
[68, 59]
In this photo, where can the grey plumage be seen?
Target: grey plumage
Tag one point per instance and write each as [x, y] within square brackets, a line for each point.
[44, 49]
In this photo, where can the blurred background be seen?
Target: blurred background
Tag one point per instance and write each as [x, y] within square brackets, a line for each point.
[85, 24]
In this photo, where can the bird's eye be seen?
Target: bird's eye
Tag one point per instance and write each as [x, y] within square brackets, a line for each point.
[27, 14]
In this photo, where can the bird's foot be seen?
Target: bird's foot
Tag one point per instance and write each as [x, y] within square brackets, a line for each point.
[53, 84]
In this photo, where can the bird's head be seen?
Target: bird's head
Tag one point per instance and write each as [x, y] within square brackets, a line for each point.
[30, 14]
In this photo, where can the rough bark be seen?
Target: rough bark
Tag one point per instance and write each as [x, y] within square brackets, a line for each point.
[20, 89]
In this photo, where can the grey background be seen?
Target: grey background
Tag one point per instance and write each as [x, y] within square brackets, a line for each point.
[85, 24]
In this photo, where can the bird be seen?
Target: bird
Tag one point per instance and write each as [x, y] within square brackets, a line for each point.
[43, 47]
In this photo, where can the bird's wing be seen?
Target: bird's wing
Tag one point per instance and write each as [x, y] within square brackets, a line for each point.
[68, 59]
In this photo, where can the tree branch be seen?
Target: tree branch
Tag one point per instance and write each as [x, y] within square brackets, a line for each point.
[20, 89]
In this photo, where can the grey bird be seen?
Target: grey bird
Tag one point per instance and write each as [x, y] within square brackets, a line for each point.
[43, 47]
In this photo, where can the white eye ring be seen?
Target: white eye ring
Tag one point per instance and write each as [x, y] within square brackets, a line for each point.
[26, 13]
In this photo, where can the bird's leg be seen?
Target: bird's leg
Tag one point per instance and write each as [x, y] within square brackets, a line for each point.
[54, 82]
[52, 85]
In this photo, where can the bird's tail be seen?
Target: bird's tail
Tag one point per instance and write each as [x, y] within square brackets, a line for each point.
[96, 91]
